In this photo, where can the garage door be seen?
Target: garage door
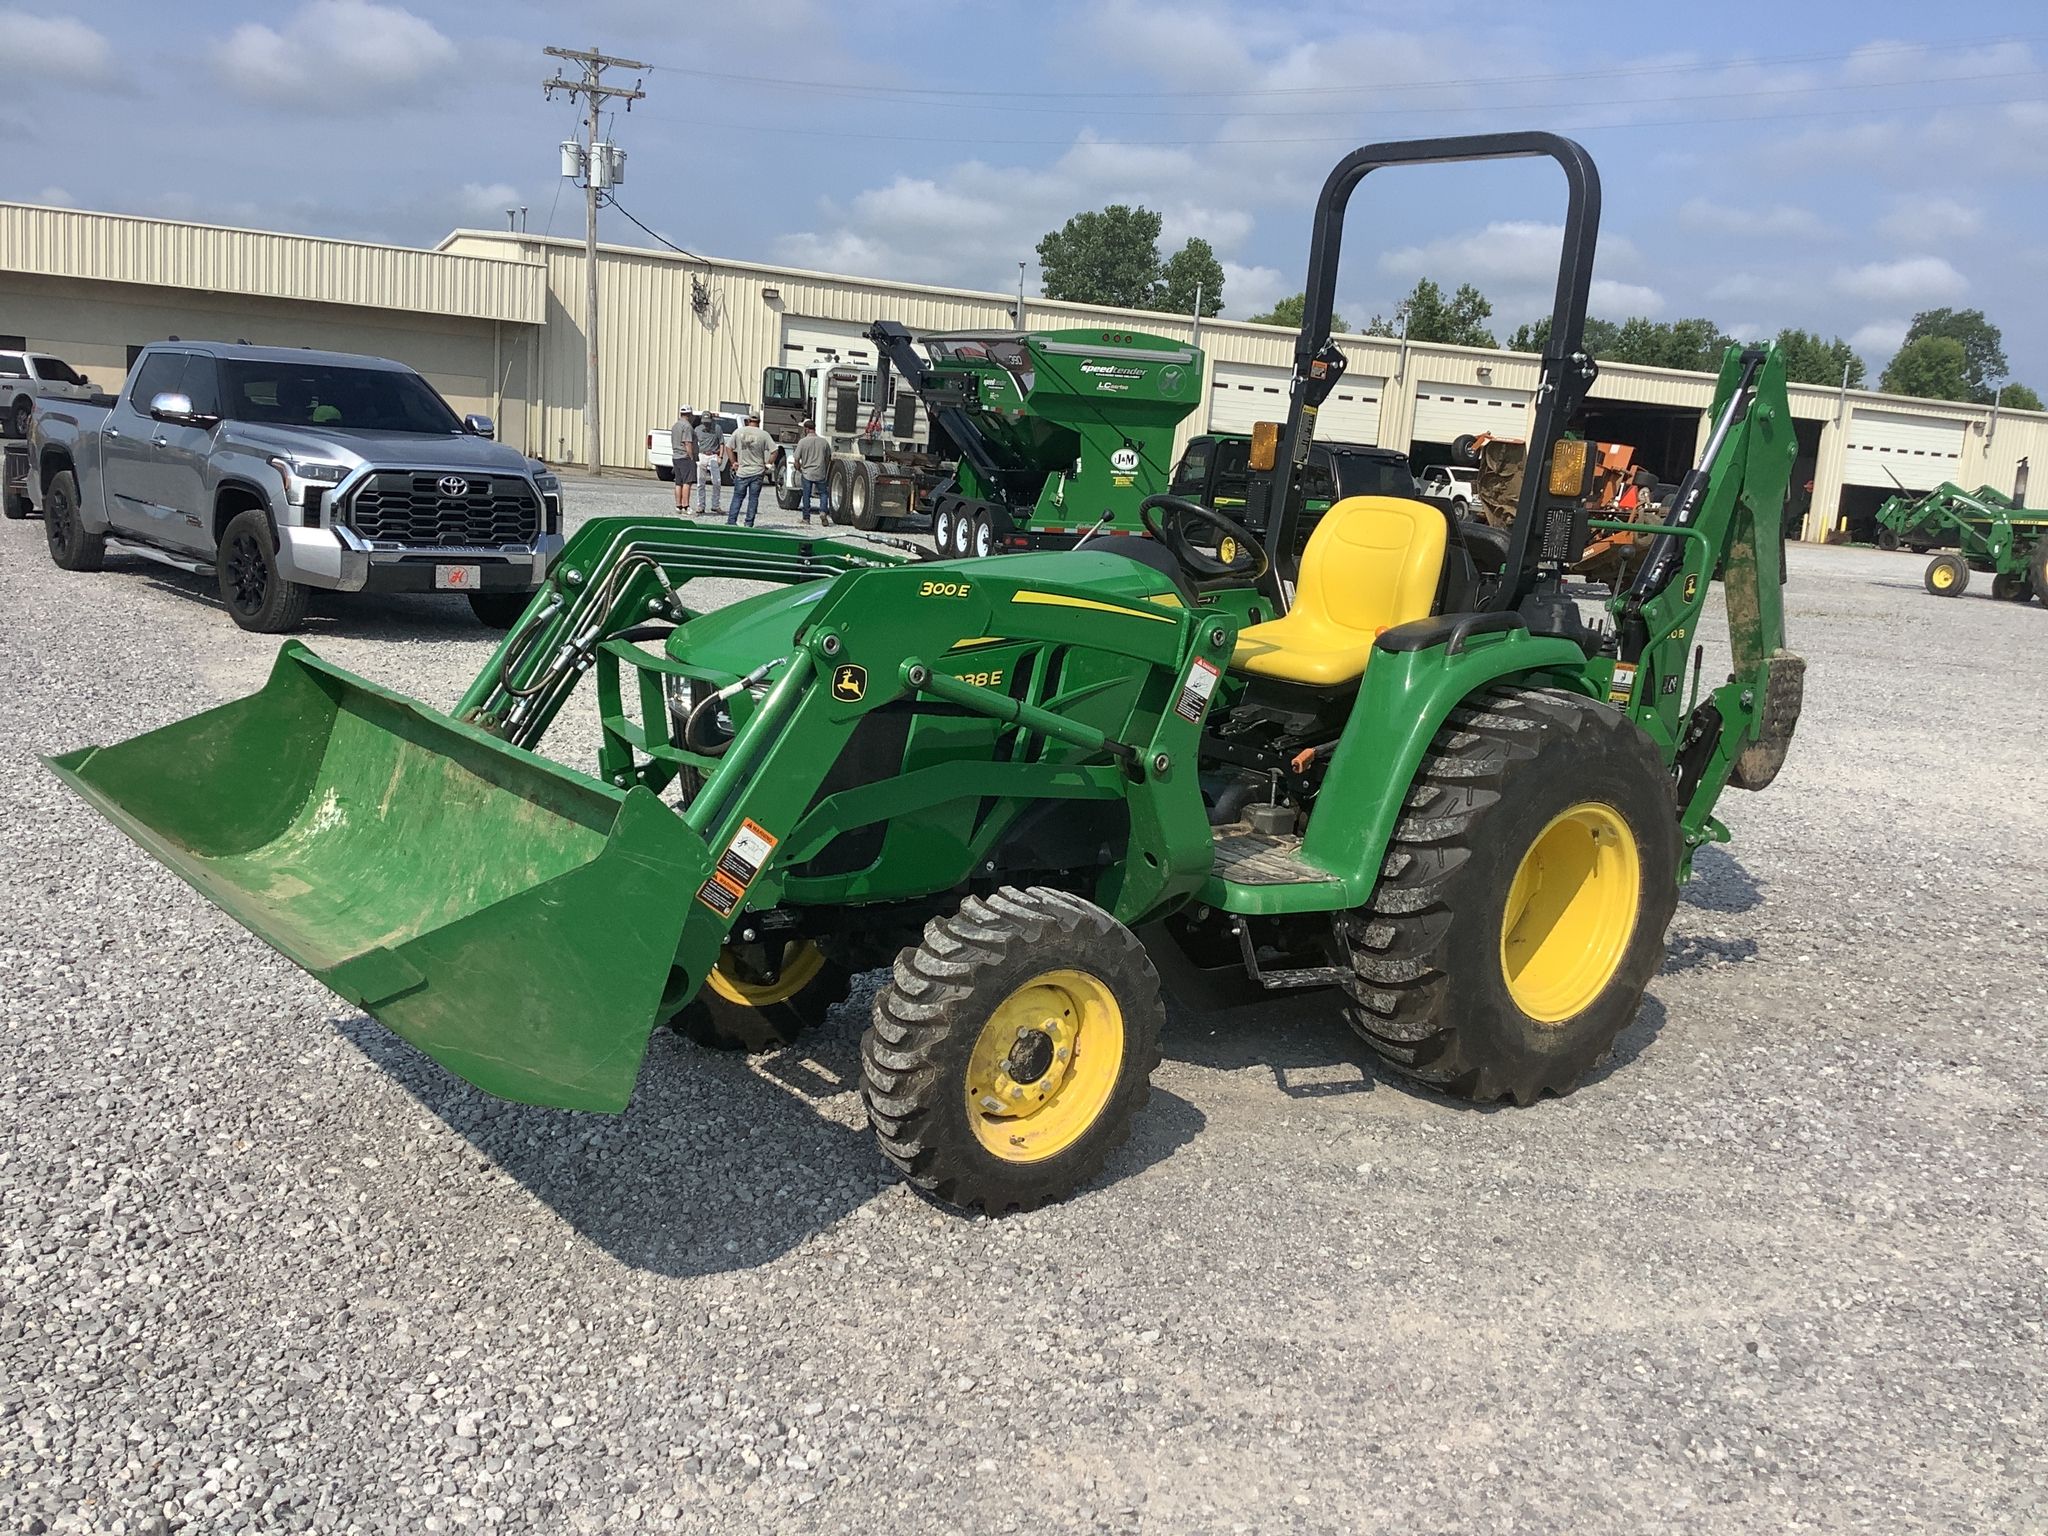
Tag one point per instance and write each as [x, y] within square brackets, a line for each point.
[1892, 449]
[1241, 395]
[1446, 412]
[807, 341]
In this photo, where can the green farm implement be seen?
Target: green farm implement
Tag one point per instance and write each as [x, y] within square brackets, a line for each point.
[1981, 530]
[1451, 798]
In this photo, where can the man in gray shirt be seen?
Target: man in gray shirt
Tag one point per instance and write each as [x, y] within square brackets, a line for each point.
[813, 465]
[683, 452]
[751, 448]
[710, 441]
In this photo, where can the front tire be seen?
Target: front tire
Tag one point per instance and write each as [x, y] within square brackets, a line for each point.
[1012, 1049]
[22, 417]
[754, 1002]
[258, 597]
[1530, 881]
[72, 547]
[1948, 575]
[499, 610]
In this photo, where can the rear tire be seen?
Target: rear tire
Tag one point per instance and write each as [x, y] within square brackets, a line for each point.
[1886, 540]
[835, 492]
[789, 498]
[499, 610]
[743, 1007]
[2037, 568]
[1525, 897]
[71, 546]
[1948, 575]
[963, 535]
[21, 418]
[664, 472]
[981, 536]
[258, 598]
[860, 504]
[942, 530]
[1012, 1049]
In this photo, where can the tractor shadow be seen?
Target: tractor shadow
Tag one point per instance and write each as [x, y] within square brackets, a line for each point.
[1719, 883]
[721, 1162]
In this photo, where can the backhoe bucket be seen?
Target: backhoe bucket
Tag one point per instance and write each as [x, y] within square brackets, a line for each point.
[516, 921]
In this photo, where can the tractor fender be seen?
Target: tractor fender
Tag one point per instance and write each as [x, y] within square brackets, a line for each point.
[1403, 701]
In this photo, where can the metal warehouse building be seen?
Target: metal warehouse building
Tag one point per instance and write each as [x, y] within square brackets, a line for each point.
[494, 319]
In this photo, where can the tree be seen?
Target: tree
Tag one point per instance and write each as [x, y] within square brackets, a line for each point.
[2018, 397]
[1190, 270]
[1288, 313]
[1534, 336]
[1933, 367]
[1459, 320]
[1809, 360]
[1106, 257]
[1983, 344]
[1696, 344]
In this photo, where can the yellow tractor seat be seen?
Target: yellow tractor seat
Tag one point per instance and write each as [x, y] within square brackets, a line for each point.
[1373, 562]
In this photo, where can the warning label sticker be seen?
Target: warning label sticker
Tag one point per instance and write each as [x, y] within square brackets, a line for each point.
[737, 866]
[1194, 692]
[1623, 688]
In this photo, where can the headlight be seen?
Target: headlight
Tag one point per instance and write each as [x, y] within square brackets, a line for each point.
[549, 484]
[300, 473]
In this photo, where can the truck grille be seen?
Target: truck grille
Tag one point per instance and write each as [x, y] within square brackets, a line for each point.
[403, 507]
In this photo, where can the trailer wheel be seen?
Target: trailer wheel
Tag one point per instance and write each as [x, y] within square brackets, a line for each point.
[1011, 1049]
[745, 1006]
[982, 536]
[1948, 575]
[1526, 894]
[963, 535]
[942, 530]
[71, 547]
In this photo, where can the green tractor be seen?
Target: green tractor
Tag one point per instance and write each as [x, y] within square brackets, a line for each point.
[1984, 530]
[1450, 797]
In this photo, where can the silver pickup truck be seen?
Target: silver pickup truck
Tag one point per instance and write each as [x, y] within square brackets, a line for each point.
[279, 470]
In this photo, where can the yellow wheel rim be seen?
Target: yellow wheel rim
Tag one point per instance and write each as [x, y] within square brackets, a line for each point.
[1944, 577]
[1044, 1065]
[1571, 912]
[801, 962]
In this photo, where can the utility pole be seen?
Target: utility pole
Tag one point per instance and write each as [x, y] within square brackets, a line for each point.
[597, 173]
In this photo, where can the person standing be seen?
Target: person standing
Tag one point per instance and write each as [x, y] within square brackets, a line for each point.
[682, 443]
[710, 441]
[813, 464]
[751, 448]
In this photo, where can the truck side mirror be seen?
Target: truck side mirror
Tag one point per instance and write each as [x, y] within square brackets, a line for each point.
[172, 407]
[481, 426]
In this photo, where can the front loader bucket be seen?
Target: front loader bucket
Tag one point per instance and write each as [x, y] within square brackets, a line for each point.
[514, 920]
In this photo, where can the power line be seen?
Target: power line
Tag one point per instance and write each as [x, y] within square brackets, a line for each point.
[597, 173]
[1377, 88]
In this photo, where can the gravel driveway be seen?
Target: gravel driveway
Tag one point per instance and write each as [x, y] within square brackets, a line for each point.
[262, 1267]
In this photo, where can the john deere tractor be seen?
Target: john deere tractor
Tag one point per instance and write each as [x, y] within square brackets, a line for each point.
[1420, 778]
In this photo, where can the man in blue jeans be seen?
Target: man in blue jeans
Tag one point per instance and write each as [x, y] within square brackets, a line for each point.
[751, 449]
[813, 465]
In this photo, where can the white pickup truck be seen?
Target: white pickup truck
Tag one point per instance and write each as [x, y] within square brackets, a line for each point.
[26, 377]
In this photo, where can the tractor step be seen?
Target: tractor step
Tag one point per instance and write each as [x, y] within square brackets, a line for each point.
[1246, 857]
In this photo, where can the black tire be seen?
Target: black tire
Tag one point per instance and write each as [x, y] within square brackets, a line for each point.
[1463, 450]
[835, 492]
[2037, 568]
[664, 472]
[861, 509]
[245, 566]
[743, 1006]
[1518, 774]
[942, 530]
[1461, 508]
[1886, 540]
[789, 498]
[948, 1009]
[13, 507]
[1948, 575]
[981, 536]
[499, 610]
[19, 420]
[71, 546]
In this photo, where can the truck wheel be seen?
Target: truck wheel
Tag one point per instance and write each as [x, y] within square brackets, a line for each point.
[861, 509]
[24, 414]
[499, 610]
[1461, 509]
[14, 507]
[745, 1006]
[1011, 1049]
[257, 597]
[664, 472]
[1531, 878]
[942, 530]
[789, 497]
[71, 547]
[1948, 575]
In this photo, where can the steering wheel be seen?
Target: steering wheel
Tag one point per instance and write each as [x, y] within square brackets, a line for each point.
[1242, 556]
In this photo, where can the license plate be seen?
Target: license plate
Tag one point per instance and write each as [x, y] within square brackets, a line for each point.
[457, 578]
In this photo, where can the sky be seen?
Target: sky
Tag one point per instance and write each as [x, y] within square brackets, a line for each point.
[1831, 166]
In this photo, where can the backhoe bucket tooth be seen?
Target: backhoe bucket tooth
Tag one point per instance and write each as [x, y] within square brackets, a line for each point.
[1784, 693]
[516, 921]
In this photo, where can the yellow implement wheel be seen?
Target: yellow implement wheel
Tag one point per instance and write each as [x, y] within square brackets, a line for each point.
[761, 996]
[1571, 911]
[1011, 1049]
[1044, 1066]
[1947, 575]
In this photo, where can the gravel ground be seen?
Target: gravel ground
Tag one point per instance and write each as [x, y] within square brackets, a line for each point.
[262, 1267]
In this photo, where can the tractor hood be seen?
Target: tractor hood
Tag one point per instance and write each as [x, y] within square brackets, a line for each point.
[738, 637]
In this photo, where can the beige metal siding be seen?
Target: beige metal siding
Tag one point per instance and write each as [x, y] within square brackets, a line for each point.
[66, 242]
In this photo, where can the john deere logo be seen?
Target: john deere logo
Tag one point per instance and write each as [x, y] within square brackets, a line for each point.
[1692, 587]
[850, 684]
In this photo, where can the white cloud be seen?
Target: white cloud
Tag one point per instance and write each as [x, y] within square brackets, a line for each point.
[1880, 338]
[335, 55]
[1622, 301]
[1891, 62]
[479, 200]
[53, 50]
[55, 197]
[1254, 290]
[1921, 217]
[1909, 280]
[1781, 221]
